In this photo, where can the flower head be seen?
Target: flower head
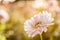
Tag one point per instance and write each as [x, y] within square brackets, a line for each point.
[8, 1]
[0, 0]
[39, 3]
[4, 17]
[38, 24]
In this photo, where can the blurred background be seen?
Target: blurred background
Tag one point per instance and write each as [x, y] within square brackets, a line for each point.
[21, 10]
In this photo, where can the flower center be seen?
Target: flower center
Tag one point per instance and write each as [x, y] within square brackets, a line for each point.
[37, 25]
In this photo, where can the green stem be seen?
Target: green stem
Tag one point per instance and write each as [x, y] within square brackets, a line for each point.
[51, 37]
[41, 37]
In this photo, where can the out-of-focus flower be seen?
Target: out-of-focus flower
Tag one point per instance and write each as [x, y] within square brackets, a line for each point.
[56, 33]
[0, 0]
[53, 5]
[38, 24]
[4, 17]
[39, 3]
[54, 9]
[7, 1]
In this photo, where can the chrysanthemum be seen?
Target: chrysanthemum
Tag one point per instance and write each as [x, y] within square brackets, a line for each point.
[4, 17]
[38, 24]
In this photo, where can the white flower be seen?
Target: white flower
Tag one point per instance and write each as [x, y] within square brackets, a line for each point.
[4, 17]
[53, 6]
[7, 1]
[39, 3]
[0, 0]
[38, 24]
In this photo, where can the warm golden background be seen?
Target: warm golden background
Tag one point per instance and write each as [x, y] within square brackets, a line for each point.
[21, 10]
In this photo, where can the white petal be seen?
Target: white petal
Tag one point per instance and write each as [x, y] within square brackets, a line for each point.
[36, 17]
[44, 29]
[46, 17]
[5, 15]
[33, 33]
[9, 0]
